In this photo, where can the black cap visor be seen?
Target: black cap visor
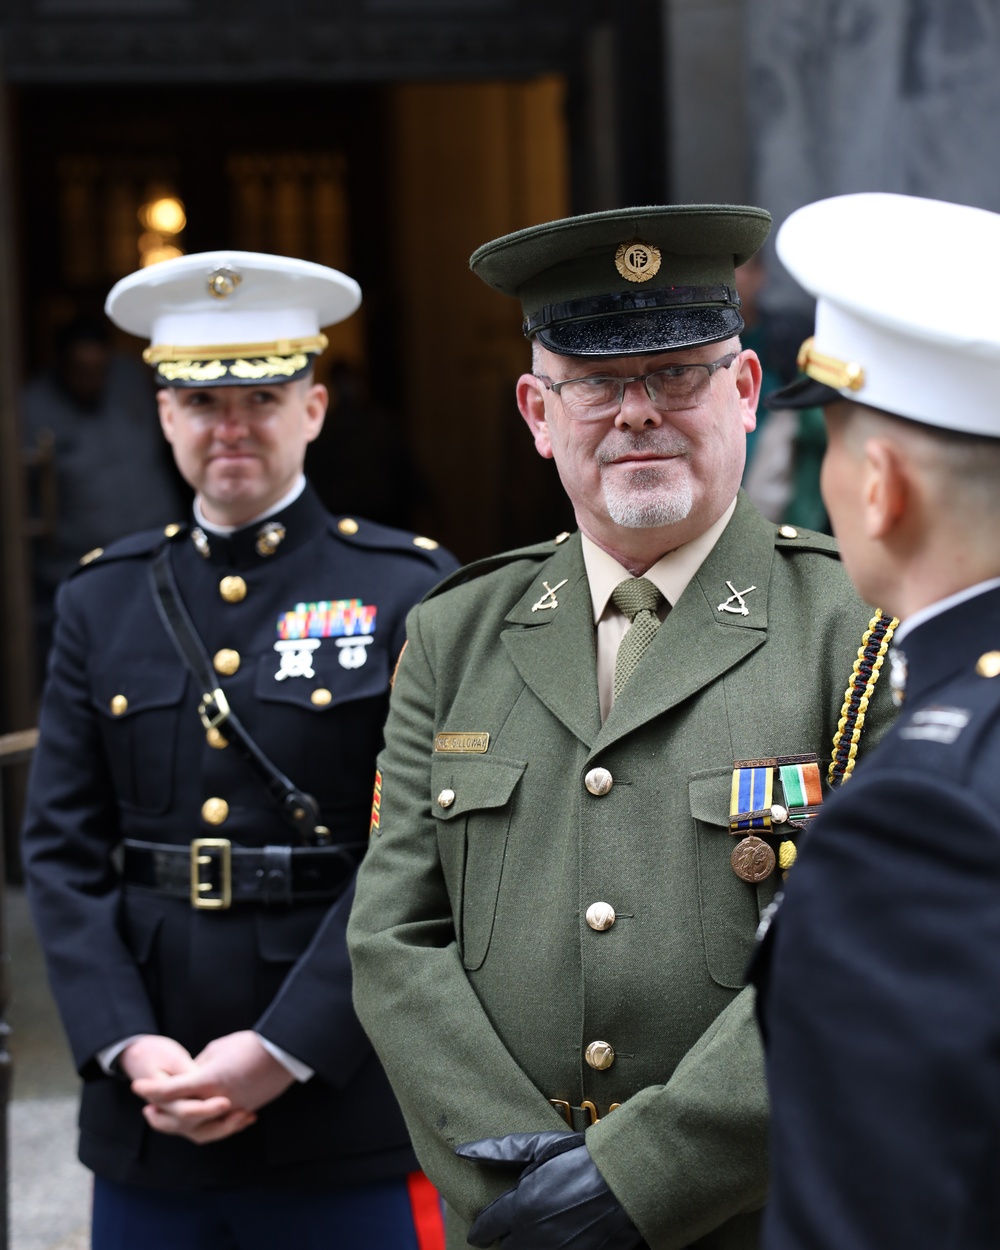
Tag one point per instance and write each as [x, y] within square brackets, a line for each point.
[245, 371]
[640, 333]
[804, 392]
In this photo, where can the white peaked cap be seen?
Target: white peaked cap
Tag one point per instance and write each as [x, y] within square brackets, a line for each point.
[230, 312]
[908, 305]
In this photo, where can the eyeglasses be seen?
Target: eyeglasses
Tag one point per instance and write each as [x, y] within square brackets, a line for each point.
[600, 395]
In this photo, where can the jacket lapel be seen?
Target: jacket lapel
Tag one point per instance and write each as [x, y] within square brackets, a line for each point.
[698, 642]
[553, 648]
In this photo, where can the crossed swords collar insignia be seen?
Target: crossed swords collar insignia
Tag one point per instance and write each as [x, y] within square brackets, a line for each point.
[736, 603]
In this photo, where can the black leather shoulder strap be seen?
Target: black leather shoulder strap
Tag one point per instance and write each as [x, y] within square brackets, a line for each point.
[299, 809]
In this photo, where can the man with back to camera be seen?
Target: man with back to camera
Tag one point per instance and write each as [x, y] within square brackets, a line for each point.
[574, 838]
[879, 974]
[201, 792]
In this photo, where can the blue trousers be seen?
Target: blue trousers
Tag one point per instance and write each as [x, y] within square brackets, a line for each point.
[367, 1217]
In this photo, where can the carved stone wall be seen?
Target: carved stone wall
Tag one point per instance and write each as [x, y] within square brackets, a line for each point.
[871, 95]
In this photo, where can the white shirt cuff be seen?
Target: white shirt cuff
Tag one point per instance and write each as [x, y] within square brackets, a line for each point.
[301, 1071]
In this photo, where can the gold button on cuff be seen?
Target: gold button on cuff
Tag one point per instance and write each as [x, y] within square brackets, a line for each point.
[788, 531]
[600, 1055]
[214, 811]
[233, 589]
[446, 798]
[988, 665]
[172, 529]
[226, 661]
[119, 705]
[215, 738]
[601, 916]
[428, 544]
[348, 525]
[320, 697]
[598, 781]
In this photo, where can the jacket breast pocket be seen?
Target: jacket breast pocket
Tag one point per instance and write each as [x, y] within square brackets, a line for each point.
[472, 798]
[139, 707]
[730, 907]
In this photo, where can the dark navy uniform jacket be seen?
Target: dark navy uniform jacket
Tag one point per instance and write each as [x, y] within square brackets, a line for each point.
[879, 977]
[122, 754]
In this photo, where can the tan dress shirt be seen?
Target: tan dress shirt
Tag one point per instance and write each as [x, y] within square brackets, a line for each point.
[670, 574]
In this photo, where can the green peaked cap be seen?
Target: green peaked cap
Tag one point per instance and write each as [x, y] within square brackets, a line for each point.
[628, 281]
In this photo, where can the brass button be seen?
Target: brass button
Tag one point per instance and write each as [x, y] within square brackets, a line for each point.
[348, 525]
[119, 705]
[601, 916]
[561, 538]
[92, 555]
[446, 798]
[320, 697]
[233, 589]
[600, 1055]
[598, 781]
[214, 811]
[226, 661]
[215, 738]
[172, 529]
[988, 665]
[428, 544]
[788, 531]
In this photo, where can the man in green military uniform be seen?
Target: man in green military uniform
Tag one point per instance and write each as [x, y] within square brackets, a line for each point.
[597, 750]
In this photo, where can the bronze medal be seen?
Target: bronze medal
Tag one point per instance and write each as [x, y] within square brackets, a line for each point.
[752, 860]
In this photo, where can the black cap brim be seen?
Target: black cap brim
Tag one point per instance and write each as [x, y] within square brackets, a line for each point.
[640, 333]
[804, 392]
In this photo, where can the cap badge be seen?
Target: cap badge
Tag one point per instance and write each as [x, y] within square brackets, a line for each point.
[637, 261]
[223, 282]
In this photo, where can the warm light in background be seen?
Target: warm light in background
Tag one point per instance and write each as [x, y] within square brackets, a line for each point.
[162, 220]
[165, 215]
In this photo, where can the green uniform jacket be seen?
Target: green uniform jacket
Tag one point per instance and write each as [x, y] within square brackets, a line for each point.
[475, 972]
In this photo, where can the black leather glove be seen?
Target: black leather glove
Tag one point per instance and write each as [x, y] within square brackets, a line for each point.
[560, 1202]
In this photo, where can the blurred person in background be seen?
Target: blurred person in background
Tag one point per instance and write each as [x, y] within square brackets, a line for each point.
[90, 423]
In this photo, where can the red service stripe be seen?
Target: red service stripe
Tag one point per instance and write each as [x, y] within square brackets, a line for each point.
[428, 1221]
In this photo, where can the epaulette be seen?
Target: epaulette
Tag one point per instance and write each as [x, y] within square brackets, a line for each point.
[479, 568]
[794, 538]
[141, 544]
[364, 533]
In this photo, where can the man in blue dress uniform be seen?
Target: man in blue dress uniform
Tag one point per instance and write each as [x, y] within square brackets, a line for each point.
[879, 974]
[202, 793]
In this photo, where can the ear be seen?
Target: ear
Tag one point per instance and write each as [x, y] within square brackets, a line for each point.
[165, 407]
[748, 381]
[531, 405]
[317, 399]
[887, 487]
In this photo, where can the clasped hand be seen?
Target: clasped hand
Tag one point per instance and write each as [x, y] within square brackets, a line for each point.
[210, 1096]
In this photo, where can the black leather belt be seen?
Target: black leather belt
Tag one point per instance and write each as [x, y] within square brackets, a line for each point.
[213, 873]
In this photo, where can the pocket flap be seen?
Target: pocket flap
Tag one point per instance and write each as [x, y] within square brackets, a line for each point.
[339, 683]
[476, 784]
[710, 793]
[119, 692]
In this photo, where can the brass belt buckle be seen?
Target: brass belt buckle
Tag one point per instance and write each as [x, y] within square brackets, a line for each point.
[202, 854]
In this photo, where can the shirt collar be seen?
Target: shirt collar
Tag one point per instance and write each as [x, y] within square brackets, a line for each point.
[289, 498]
[670, 574]
[942, 605]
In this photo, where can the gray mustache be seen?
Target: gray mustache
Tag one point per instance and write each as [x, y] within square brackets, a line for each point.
[612, 447]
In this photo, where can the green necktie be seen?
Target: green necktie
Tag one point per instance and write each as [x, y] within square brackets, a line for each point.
[639, 600]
